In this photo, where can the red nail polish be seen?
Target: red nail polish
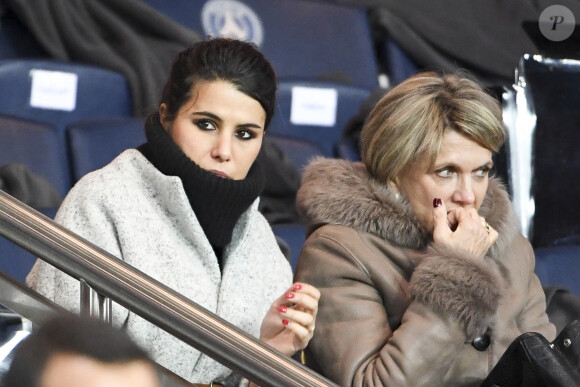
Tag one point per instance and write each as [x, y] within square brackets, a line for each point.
[289, 295]
[297, 286]
[282, 309]
[285, 322]
[437, 203]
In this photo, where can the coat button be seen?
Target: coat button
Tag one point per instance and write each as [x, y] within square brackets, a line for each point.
[482, 342]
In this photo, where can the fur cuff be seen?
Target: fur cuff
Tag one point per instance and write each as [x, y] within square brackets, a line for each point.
[464, 287]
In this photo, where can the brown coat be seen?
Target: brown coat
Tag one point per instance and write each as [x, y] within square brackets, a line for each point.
[396, 310]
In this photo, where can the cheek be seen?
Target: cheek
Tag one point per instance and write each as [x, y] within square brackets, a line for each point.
[252, 149]
[480, 192]
[192, 143]
[245, 155]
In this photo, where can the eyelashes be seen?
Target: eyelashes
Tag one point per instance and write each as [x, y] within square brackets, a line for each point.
[448, 171]
[244, 134]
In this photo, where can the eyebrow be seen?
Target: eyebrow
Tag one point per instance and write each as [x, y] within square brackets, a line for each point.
[454, 165]
[217, 118]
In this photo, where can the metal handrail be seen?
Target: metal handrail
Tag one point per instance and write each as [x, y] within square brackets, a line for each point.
[150, 299]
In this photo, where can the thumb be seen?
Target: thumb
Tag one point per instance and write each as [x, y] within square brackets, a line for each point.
[441, 228]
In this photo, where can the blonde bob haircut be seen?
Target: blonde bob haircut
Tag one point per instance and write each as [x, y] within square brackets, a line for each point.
[407, 123]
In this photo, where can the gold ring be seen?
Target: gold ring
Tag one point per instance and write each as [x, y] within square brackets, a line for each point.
[311, 329]
[485, 225]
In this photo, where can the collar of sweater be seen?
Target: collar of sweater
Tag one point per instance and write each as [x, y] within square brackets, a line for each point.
[218, 203]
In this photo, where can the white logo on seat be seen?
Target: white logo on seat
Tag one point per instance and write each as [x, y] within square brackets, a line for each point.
[232, 19]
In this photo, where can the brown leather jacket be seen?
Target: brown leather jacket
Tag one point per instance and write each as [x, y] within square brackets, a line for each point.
[396, 310]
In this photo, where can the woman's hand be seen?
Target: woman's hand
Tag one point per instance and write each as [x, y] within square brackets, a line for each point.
[462, 228]
[289, 324]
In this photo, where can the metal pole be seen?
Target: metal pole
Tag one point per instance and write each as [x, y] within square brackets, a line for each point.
[94, 304]
[150, 299]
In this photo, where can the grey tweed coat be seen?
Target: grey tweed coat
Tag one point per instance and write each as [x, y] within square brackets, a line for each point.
[140, 215]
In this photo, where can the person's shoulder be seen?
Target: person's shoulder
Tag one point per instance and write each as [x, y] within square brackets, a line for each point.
[343, 234]
[103, 186]
[127, 168]
[347, 243]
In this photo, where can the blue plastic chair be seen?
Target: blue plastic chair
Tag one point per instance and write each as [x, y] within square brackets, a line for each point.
[299, 151]
[304, 39]
[94, 143]
[57, 93]
[559, 266]
[315, 120]
[37, 146]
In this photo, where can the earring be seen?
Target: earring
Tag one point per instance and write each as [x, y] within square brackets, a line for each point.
[393, 188]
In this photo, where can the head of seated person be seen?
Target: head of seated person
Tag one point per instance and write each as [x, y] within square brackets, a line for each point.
[433, 137]
[70, 351]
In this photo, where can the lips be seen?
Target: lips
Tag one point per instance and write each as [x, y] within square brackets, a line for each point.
[219, 173]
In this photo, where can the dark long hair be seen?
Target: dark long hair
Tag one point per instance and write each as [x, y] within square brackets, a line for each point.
[230, 60]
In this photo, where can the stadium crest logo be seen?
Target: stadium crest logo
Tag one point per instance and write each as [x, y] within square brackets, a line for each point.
[232, 19]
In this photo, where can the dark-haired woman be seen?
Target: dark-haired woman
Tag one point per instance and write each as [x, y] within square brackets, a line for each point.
[183, 209]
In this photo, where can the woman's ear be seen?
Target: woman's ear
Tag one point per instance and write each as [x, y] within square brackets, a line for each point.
[163, 116]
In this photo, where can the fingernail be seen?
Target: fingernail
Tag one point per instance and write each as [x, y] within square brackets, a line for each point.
[289, 295]
[282, 309]
[437, 203]
[285, 322]
[297, 286]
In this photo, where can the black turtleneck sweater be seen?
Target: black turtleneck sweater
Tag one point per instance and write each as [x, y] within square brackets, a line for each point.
[217, 202]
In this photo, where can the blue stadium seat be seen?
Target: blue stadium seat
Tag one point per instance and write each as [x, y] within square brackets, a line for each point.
[40, 148]
[98, 92]
[398, 64]
[15, 260]
[299, 151]
[58, 93]
[303, 113]
[304, 39]
[559, 266]
[37, 146]
[303, 51]
[294, 234]
[94, 143]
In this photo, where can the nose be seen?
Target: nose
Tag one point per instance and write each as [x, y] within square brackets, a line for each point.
[222, 149]
[464, 194]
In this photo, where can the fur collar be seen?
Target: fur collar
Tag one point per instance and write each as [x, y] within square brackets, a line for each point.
[342, 192]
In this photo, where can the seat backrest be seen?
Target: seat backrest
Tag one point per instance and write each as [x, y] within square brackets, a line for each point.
[37, 146]
[544, 144]
[316, 111]
[559, 266]
[294, 234]
[398, 64]
[94, 143]
[58, 93]
[299, 151]
[304, 39]
[15, 260]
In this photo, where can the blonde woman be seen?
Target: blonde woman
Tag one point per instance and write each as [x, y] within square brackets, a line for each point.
[424, 277]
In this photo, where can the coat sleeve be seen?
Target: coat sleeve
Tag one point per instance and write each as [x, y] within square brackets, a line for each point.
[373, 327]
[533, 316]
[85, 216]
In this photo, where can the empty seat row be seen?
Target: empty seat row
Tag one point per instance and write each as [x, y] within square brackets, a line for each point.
[310, 40]
[47, 96]
[40, 98]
